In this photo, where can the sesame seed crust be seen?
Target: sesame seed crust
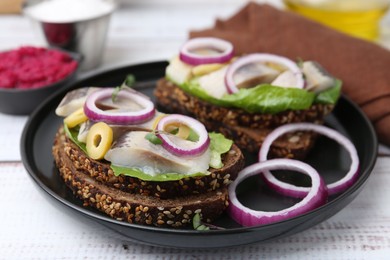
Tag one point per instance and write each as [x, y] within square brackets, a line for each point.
[135, 208]
[248, 130]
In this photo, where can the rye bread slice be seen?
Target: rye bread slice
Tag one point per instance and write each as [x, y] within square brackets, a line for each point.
[101, 172]
[137, 208]
[248, 130]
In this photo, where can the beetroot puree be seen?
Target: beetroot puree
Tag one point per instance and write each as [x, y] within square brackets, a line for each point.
[34, 67]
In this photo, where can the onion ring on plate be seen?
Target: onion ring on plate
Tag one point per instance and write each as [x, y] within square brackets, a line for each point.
[261, 57]
[194, 149]
[224, 51]
[299, 192]
[120, 117]
[316, 197]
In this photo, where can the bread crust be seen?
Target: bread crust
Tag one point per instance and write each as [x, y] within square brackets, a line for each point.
[93, 182]
[248, 130]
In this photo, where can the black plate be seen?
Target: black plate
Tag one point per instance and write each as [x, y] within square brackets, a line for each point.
[326, 156]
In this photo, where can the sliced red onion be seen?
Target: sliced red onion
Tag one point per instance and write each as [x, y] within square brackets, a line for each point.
[197, 148]
[316, 196]
[261, 57]
[224, 51]
[299, 192]
[120, 117]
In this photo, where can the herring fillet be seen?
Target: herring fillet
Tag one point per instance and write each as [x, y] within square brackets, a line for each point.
[317, 78]
[73, 100]
[253, 74]
[214, 83]
[132, 150]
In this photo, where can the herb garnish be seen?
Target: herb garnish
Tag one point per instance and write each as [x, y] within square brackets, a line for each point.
[300, 62]
[199, 225]
[153, 138]
[128, 83]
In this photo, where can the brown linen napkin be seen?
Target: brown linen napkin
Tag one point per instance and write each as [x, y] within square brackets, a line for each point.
[362, 66]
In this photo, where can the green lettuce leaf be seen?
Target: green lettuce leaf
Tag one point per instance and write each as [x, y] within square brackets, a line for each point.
[218, 146]
[266, 98]
[72, 134]
[134, 172]
[329, 96]
[271, 99]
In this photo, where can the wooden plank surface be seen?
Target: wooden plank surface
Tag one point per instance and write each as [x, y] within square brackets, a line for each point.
[30, 227]
[359, 231]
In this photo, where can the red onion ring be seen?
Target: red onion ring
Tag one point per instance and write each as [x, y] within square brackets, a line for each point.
[119, 118]
[226, 48]
[299, 192]
[198, 148]
[316, 197]
[261, 57]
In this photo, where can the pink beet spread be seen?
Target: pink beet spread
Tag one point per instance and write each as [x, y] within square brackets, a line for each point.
[34, 67]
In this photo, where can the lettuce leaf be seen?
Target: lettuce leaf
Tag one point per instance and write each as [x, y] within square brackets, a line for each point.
[266, 98]
[134, 172]
[329, 96]
[218, 146]
[72, 134]
[271, 99]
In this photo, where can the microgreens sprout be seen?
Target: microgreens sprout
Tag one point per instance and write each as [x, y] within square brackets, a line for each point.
[128, 83]
[197, 224]
[153, 138]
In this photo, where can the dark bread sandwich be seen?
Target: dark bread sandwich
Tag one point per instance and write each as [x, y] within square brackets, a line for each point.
[142, 167]
[246, 97]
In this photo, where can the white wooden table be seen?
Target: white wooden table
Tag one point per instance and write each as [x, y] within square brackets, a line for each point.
[30, 227]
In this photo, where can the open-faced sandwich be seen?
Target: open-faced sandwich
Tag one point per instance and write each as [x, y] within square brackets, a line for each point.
[246, 97]
[124, 158]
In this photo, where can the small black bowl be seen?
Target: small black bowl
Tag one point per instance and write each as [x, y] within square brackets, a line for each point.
[24, 101]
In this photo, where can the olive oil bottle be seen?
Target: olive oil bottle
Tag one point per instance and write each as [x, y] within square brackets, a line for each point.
[359, 18]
